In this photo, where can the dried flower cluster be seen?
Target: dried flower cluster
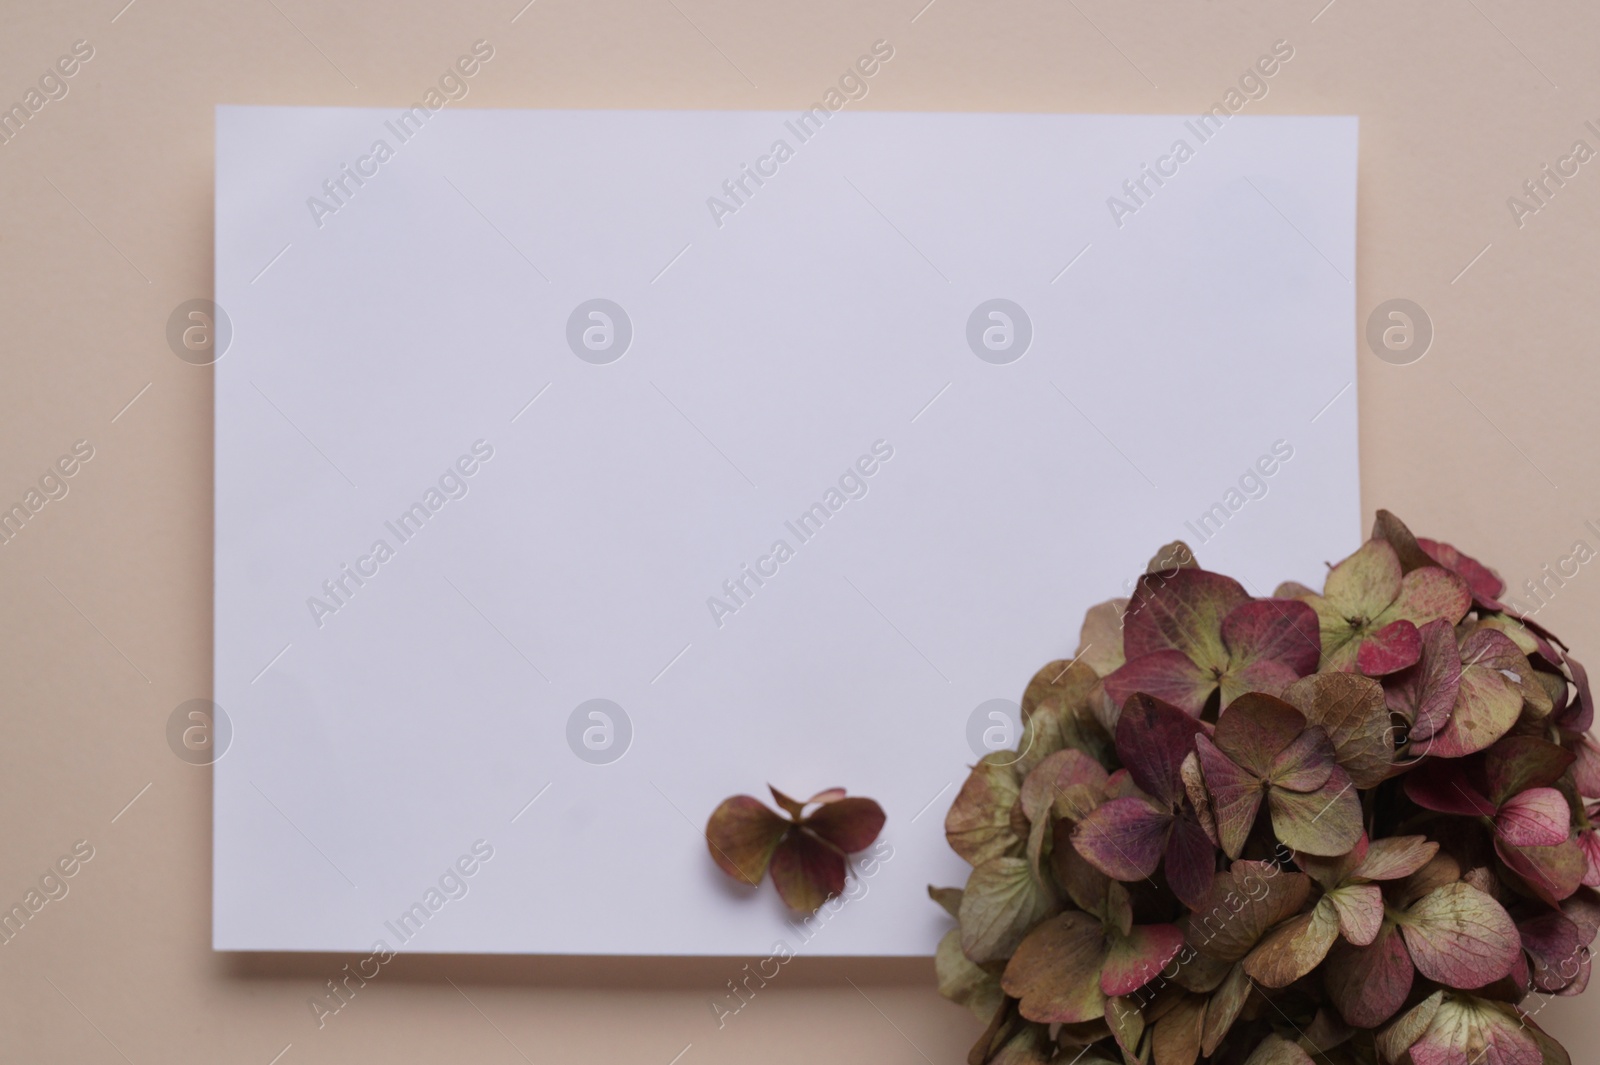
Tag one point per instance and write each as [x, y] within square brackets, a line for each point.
[1348, 827]
[806, 852]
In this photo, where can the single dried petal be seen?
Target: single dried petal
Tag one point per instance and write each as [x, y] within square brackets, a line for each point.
[1235, 793]
[1083, 883]
[979, 825]
[1125, 838]
[1428, 594]
[1274, 630]
[1304, 765]
[1397, 1038]
[806, 872]
[1139, 957]
[1169, 675]
[1224, 1008]
[949, 898]
[1446, 788]
[1485, 585]
[1426, 693]
[1351, 709]
[1368, 984]
[1126, 1018]
[1473, 1031]
[1153, 739]
[1100, 640]
[1586, 770]
[963, 982]
[1406, 547]
[1176, 1040]
[1191, 861]
[1390, 649]
[1538, 817]
[742, 834]
[1552, 873]
[1056, 971]
[1294, 948]
[1495, 678]
[1002, 901]
[849, 824]
[792, 807]
[1246, 901]
[1325, 822]
[1518, 763]
[1181, 611]
[1360, 909]
[1256, 729]
[1460, 937]
[1396, 857]
[1555, 947]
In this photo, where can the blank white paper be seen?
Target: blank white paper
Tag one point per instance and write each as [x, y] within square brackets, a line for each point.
[583, 500]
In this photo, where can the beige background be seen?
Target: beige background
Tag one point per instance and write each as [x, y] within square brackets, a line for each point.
[105, 226]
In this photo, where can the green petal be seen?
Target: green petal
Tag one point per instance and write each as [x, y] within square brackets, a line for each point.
[1246, 901]
[1002, 901]
[1176, 1040]
[964, 983]
[1364, 584]
[1100, 640]
[1428, 594]
[1351, 709]
[1295, 947]
[1235, 796]
[979, 825]
[1368, 984]
[1224, 1008]
[1360, 909]
[1325, 822]
[742, 834]
[1181, 611]
[1470, 1029]
[1056, 971]
[1460, 937]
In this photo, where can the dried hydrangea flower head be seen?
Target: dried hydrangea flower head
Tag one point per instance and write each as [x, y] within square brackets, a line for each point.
[1354, 826]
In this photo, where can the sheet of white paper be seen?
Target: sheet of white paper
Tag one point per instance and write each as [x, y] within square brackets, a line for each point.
[817, 319]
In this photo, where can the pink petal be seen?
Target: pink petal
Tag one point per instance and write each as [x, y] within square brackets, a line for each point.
[1391, 649]
[1591, 852]
[1552, 873]
[1460, 937]
[1138, 958]
[1482, 581]
[1555, 947]
[1370, 984]
[1168, 675]
[1279, 630]
[1191, 862]
[1181, 611]
[1587, 767]
[1235, 795]
[1153, 739]
[1125, 838]
[1425, 693]
[1538, 817]
[1256, 729]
